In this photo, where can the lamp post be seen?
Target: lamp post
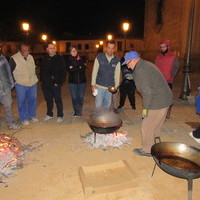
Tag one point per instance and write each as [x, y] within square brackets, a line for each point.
[186, 88]
[26, 28]
[44, 38]
[125, 27]
[101, 45]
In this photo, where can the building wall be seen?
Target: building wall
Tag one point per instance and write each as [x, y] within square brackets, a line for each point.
[175, 26]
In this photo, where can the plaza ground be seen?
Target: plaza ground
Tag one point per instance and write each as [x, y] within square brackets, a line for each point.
[51, 171]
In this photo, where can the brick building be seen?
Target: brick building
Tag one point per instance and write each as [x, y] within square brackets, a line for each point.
[170, 19]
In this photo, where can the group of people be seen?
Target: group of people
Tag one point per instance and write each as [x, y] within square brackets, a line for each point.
[20, 72]
[153, 81]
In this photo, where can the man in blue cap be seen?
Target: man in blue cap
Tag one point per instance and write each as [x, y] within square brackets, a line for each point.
[157, 97]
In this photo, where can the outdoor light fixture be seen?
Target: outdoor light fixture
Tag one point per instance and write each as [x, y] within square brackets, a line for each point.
[97, 46]
[25, 26]
[101, 42]
[109, 37]
[54, 42]
[44, 37]
[125, 27]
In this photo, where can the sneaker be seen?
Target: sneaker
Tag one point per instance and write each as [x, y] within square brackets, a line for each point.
[14, 126]
[120, 107]
[192, 136]
[47, 118]
[34, 120]
[140, 152]
[60, 119]
[77, 115]
[25, 123]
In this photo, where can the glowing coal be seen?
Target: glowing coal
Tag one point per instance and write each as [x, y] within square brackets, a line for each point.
[10, 154]
[116, 139]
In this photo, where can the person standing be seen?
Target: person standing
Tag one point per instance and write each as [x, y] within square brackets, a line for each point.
[76, 67]
[106, 73]
[196, 133]
[156, 100]
[6, 84]
[52, 76]
[23, 68]
[168, 64]
[128, 87]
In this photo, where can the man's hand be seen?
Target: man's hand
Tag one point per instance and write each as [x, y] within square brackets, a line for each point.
[93, 87]
[144, 113]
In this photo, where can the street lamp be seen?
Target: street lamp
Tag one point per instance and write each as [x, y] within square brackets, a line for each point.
[44, 37]
[186, 88]
[97, 46]
[54, 42]
[109, 37]
[125, 27]
[101, 42]
[26, 27]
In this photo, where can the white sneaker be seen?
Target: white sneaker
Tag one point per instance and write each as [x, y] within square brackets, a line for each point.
[25, 123]
[34, 120]
[60, 119]
[196, 139]
[47, 118]
[14, 126]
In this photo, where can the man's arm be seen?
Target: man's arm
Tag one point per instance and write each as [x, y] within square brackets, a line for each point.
[117, 74]
[94, 74]
[175, 67]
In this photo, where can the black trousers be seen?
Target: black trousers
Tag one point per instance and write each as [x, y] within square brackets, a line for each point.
[127, 88]
[52, 93]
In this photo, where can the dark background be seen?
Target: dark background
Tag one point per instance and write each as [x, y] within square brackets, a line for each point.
[71, 19]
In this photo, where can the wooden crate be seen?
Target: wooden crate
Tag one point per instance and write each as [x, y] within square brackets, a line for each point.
[106, 178]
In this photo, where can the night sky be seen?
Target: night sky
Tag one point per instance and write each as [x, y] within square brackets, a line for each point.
[63, 19]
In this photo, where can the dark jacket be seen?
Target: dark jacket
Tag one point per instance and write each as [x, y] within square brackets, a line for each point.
[152, 86]
[53, 70]
[77, 72]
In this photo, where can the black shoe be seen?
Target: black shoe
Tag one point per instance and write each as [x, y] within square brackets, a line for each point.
[140, 152]
[116, 110]
[133, 107]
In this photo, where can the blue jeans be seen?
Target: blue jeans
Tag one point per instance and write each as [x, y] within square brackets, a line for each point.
[103, 98]
[77, 93]
[27, 100]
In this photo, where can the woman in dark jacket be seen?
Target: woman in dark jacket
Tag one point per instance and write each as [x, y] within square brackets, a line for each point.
[128, 87]
[77, 80]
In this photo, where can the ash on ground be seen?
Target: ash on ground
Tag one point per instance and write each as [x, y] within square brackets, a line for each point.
[11, 155]
[116, 140]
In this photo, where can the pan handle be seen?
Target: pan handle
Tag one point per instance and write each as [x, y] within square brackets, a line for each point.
[157, 140]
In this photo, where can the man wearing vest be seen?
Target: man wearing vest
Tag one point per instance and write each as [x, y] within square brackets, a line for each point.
[23, 69]
[168, 64]
[156, 95]
[106, 73]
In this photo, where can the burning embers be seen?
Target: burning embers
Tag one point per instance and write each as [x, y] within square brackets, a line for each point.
[116, 139]
[10, 153]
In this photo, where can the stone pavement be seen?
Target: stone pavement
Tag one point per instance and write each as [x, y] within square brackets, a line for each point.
[51, 172]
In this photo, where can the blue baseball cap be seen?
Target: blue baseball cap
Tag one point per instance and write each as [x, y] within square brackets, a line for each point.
[130, 55]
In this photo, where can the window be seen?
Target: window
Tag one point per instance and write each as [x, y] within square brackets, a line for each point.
[68, 44]
[119, 46]
[87, 46]
[159, 10]
[79, 46]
